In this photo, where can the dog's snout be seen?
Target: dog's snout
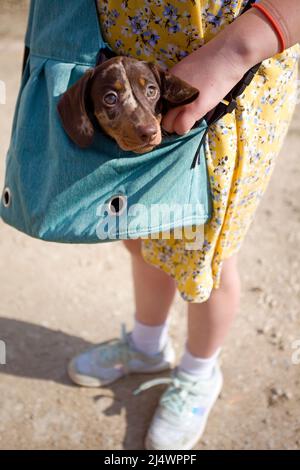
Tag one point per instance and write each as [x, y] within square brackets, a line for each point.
[147, 132]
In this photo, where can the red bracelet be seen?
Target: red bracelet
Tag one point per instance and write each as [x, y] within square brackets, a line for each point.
[273, 22]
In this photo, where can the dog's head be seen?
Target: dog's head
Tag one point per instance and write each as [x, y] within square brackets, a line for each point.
[127, 97]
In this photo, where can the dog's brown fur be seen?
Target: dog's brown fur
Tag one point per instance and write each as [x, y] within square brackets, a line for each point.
[128, 98]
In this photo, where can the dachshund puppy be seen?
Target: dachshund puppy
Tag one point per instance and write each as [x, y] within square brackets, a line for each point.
[127, 99]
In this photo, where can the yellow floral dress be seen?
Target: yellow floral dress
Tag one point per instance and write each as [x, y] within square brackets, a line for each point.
[241, 148]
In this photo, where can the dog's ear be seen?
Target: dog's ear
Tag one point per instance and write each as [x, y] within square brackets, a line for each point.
[175, 91]
[73, 110]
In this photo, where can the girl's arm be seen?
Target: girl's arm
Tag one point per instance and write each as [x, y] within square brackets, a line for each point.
[257, 35]
[216, 67]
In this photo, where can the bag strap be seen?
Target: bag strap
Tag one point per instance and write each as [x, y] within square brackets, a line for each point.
[229, 104]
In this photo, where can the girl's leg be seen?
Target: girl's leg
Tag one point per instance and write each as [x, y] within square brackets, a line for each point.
[209, 322]
[198, 376]
[154, 290]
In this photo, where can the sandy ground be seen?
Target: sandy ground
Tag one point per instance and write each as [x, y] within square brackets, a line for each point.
[57, 300]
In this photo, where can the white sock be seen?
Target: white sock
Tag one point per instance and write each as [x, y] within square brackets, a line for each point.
[149, 339]
[196, 365]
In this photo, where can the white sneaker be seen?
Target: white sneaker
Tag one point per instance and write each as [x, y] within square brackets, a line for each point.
[179, 420]
[107, 362]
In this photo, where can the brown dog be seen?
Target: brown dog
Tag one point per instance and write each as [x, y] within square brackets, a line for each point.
[127, 97]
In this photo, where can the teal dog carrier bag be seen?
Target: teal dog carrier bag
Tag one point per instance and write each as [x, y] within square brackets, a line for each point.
[56, 191]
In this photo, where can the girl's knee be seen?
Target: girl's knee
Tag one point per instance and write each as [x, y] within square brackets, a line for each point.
[230, 279]
[134, 246]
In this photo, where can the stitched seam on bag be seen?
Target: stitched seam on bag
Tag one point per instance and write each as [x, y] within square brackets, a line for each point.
[57, 59]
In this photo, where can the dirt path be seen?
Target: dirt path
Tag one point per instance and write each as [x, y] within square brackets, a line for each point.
[57, 300]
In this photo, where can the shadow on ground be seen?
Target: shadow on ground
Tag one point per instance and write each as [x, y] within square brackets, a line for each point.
[40, 353]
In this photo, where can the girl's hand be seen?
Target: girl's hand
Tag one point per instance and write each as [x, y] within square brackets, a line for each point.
[216, 67]
[214, 73]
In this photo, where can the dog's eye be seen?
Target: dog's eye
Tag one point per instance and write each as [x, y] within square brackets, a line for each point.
[151, 91]
[110, 98]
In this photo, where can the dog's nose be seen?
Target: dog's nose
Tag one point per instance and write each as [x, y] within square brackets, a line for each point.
[147, 132]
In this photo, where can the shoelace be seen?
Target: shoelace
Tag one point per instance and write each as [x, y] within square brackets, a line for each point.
[121, 351]
[180, 396]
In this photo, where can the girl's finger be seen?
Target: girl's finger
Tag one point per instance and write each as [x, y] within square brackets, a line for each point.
[189, 115]
[170, 118]
[184, 122]
[181, 119]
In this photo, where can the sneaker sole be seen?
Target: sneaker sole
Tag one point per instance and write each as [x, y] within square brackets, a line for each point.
[189, 445]
[88, 381]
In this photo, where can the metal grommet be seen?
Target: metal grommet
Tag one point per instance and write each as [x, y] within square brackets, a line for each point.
[6, 197]
[117, 204]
